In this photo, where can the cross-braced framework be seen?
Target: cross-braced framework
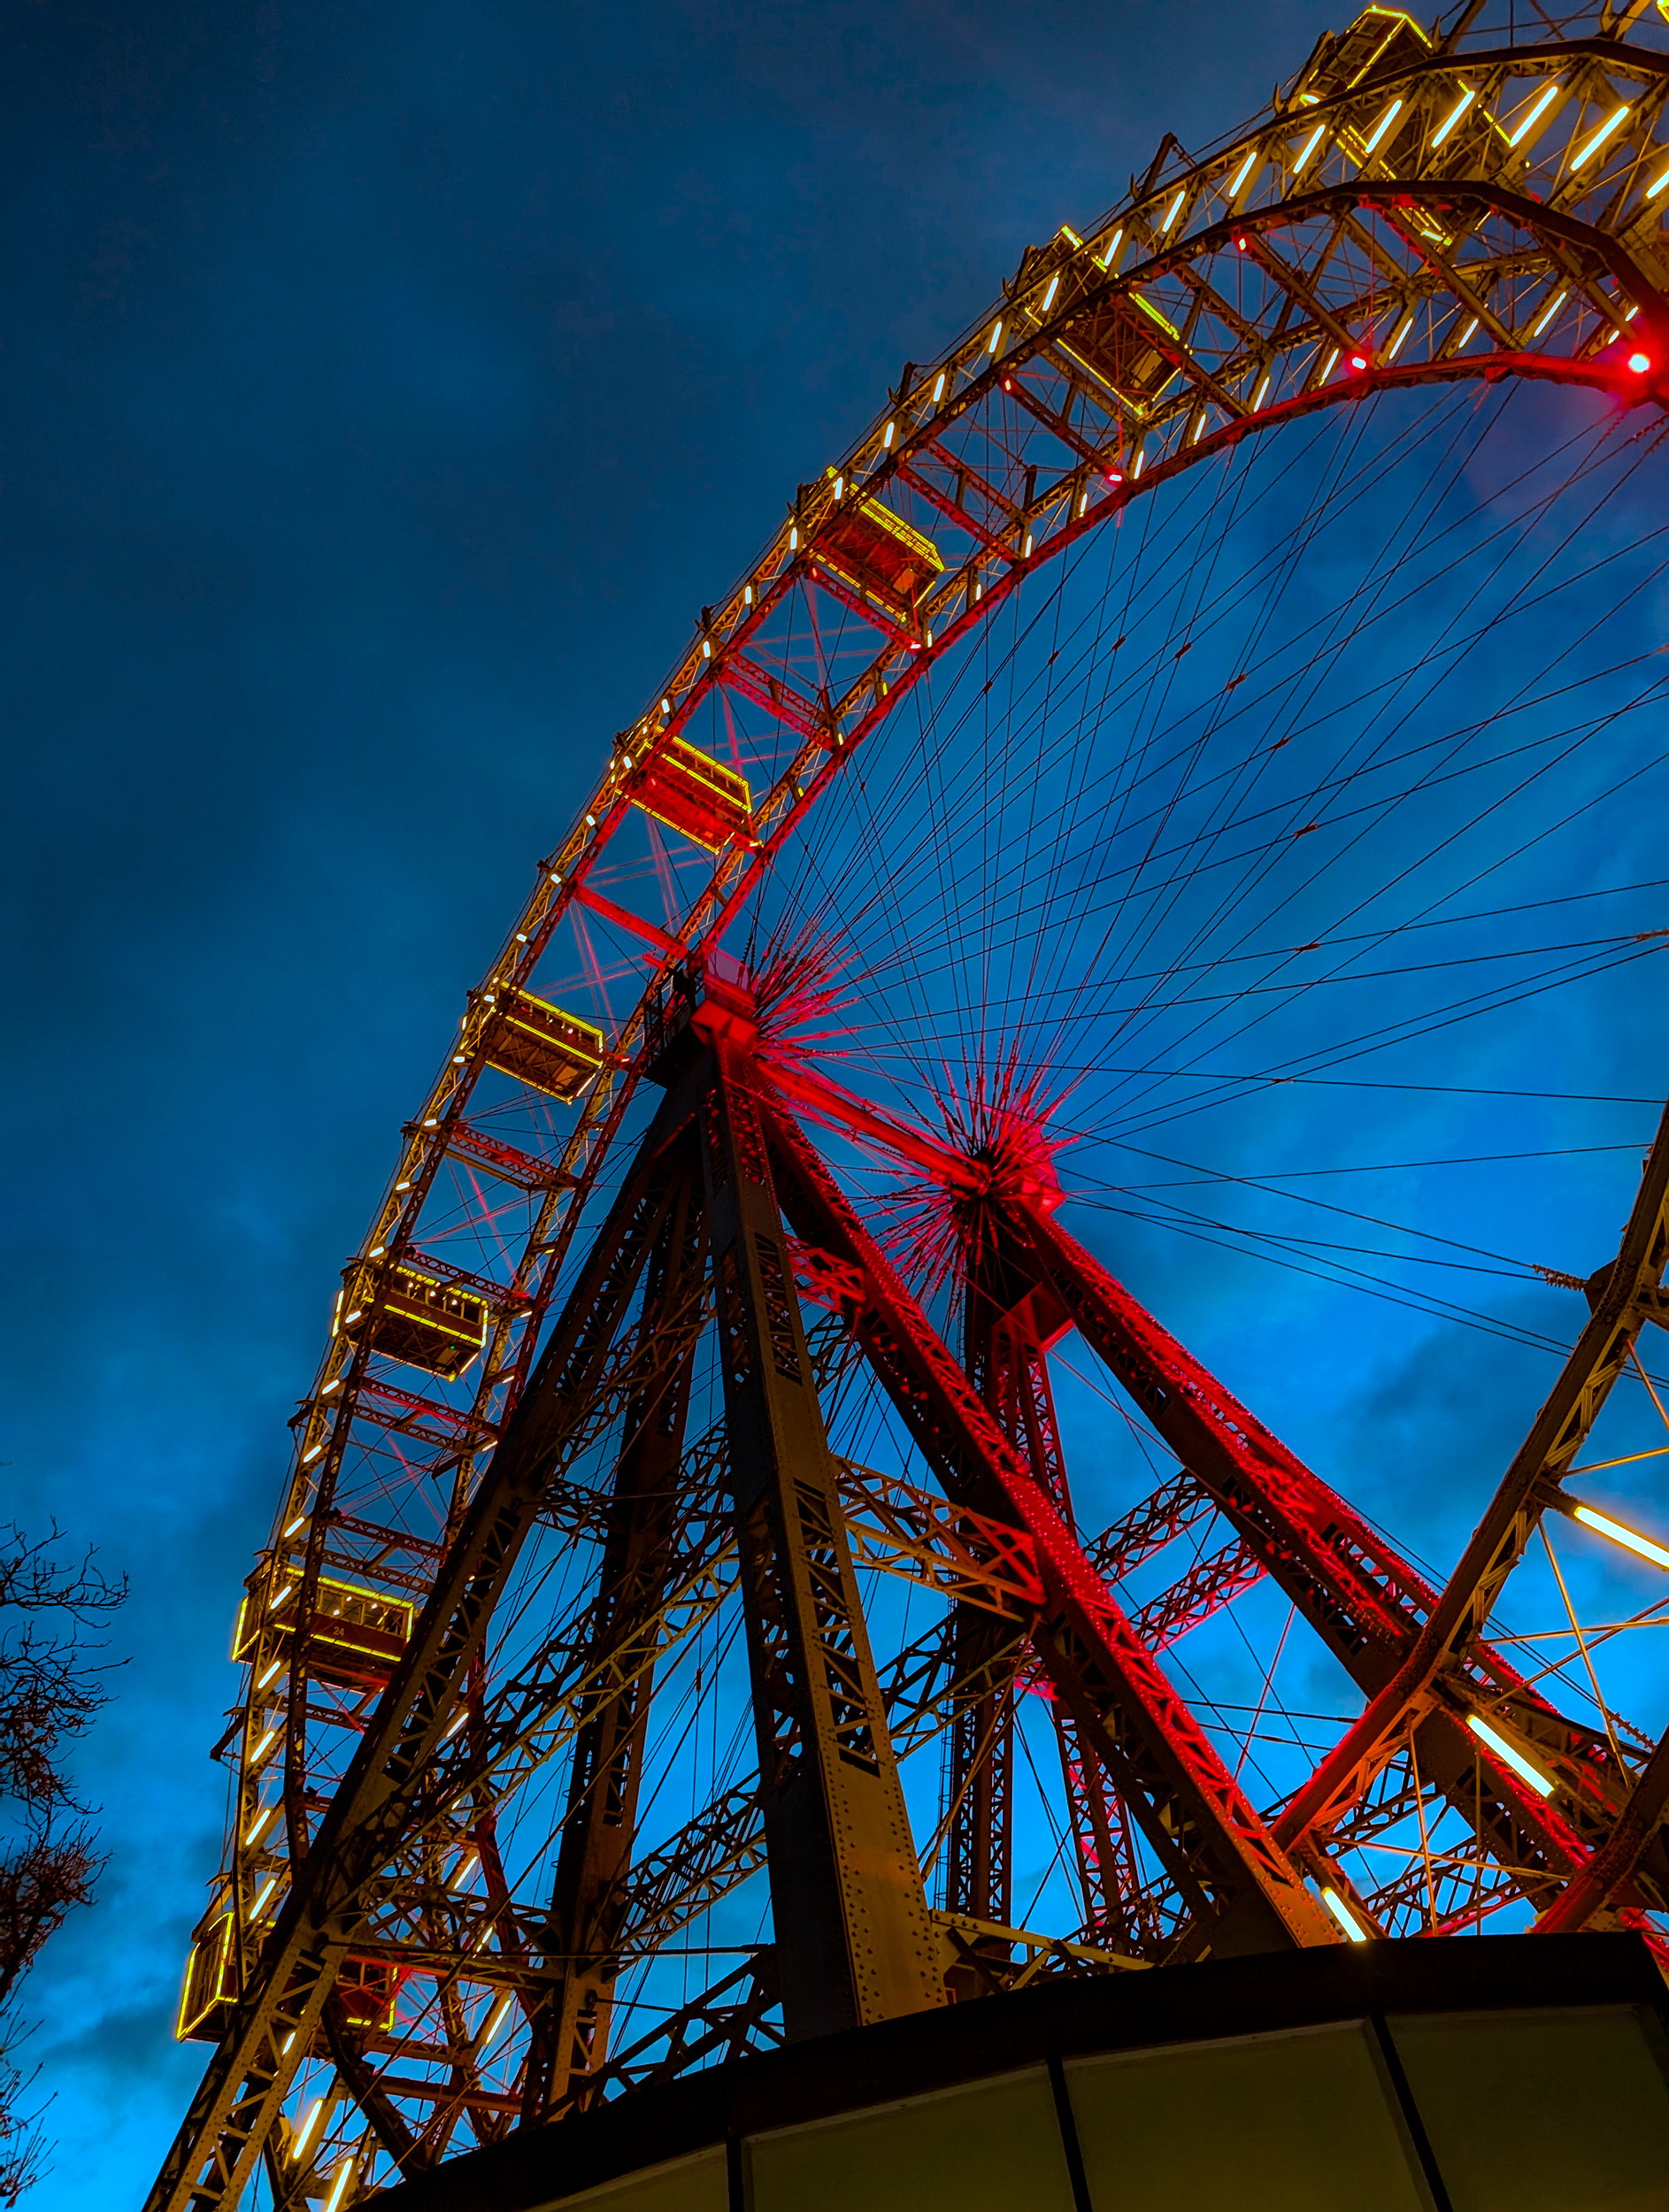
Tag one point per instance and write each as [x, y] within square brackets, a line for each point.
[691, 1600]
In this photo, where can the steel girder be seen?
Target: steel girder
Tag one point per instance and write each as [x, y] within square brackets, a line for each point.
[381, 1800]
[853, 1943]
[635, 1576]
[1366, 1604]
[1240, 1890]
[1522, 237]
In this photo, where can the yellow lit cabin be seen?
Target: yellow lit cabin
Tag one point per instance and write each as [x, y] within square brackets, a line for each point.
[414, 1318]
[209, 1987]
[543, 1047]
[351, 1634]
[867, 546]
[694, 795]
[365, 1992]
[1380, 41]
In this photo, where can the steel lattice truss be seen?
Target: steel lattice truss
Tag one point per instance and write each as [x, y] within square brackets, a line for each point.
[1412, 210]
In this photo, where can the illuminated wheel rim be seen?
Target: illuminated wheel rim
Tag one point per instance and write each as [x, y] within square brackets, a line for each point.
[1430, 220]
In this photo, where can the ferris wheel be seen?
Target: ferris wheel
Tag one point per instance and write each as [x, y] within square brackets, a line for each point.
[750, 1566]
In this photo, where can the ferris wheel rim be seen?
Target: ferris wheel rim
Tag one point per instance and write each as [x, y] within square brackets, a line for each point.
[737, 874]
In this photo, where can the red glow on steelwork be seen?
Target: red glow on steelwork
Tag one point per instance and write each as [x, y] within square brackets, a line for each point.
[798, 984]
[997, 1125]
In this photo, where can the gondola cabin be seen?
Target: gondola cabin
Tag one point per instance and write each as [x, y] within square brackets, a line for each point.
[694, 795]
[210, 1986]
[365, 1991]
[350, 1634]
[871, 549]
[416, 1319]
[541, 1046]
[1380, 40]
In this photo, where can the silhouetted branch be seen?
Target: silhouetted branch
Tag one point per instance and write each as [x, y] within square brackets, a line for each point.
[50, 1690]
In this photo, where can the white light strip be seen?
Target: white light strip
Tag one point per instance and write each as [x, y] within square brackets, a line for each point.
[1549, 312]
[1342, 1914]
[1529, 121]
[1308, 148]
[339, 2186]
[1174, 211]
[1396, 346]
[495, 2019]
[1662, 185]
[1241, 174]
[1628, 1537]
[304, 2133]
[1455, 114]
[1505, 1752]
[1605, 133]
[1384, 124]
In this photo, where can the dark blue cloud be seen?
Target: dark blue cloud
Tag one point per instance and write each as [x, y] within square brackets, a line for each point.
[384, 388]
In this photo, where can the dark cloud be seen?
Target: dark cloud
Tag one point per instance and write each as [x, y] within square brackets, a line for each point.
[384, 388]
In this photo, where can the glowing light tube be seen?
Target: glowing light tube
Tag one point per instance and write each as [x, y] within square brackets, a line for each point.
[1600, 137]
[305, 2132]
[1308, 148]
[1383, 124]
[1505, 1752]
[1529, 121]
[1354, 1932]
[1630, 1539]
[1455, 114]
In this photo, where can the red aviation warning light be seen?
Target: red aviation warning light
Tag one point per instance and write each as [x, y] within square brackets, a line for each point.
[1640, 364]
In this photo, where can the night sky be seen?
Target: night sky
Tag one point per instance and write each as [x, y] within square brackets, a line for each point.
[384, 390]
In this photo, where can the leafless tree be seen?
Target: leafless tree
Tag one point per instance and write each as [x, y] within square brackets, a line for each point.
[50, 1688]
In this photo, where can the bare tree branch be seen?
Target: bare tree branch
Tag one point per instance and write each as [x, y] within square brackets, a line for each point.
[49, 1691]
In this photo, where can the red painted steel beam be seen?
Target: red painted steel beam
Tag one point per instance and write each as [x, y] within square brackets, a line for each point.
[671, 948]
[1245, 1894]
[836, 1108]
[1365, 1602]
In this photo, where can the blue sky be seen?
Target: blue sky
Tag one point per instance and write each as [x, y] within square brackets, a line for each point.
[384, 388]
